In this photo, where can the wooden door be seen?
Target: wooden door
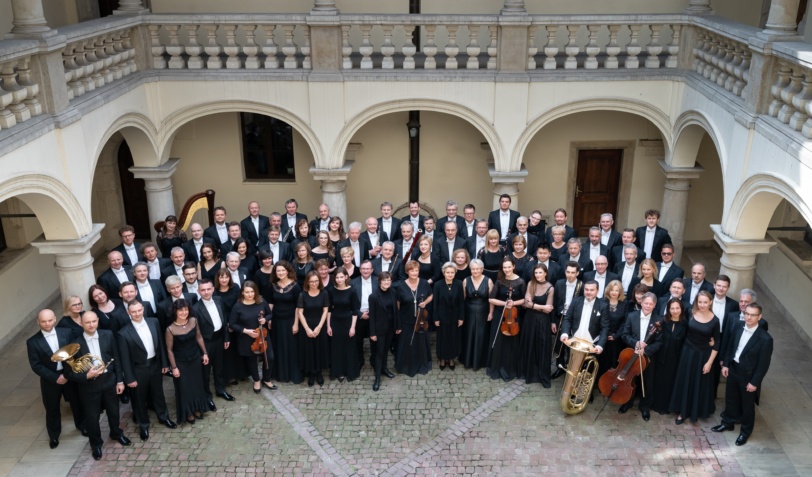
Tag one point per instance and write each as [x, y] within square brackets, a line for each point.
[596, 187]
[134, 195]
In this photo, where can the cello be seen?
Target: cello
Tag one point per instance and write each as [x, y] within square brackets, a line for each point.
[260, 344]
[617, 384]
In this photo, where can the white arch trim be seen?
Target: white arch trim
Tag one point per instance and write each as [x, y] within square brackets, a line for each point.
[336, 158]
[57, 209]
[754, 204]
[623, 105]
[173, 122]
[700, 119]
[140, 134]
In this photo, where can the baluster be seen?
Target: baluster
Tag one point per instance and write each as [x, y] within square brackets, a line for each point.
[251, 49]
[346, 48]
[781, 82]
[409, 48]
[654, 47]
[32, 88]
[572, 48]
[718, 60]
[532, 49]
[493, 47]
[366, 48]
[787, 94]
[710, 57]
[731, 67]
[451, 48]
[430, 48]
[212, 49]
[289, 48]
[193, 48]
[98, 64]
[742, 73]
[673, 48]
[612, 48]
[270, 49]
[174, 49]
[87, 67]
[551, 48]
[592, 48]
[231, 48]
[633, 49]
[806, 129]
[305, 49]
[110, 45]
[94, 63]
[473, 49]
[8, 75]
[129, 52]
[158, 60]
[701, 42]
[799, 102]
[71, 71]
[387, 49]
[106, 60]
[724, 65]
[7, 119]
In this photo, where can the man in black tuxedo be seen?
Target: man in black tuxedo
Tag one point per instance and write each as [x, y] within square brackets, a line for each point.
[99, 388]
[363, 287]
[174, 288]
[594, 248]
[253, 225]
[431, 230]
[276, 221]
[321, 222]
[477, 242]
[279, 249]
[635, 329]
[560, 218]
[192, 247]
[722, 306]
[616, 255]
[190, 279]
[675, 290]
[628, 269]
[444, 248]
[291, 218]
[451, 209]
[600, 275]
[736, 319]
[574, 254]
[566, 290]
[554, 272]
[667, 269]
[503, 220]
[609, 237]
[414, 217]
[127, 248]
[155, 263]
[234, 231]
[587, 318]
[218, 232]
[387, 224]
[214, 328]
[177, 257]
[697, 283]
[118, 273]
[531, 240]
[404, 244]
[52, 381]
[239, 275]
[150, 292]
[651, 237]
[387, 262]
[373, 238]
[747, 360]
[358, 246]
[469, 222]
[143, 362]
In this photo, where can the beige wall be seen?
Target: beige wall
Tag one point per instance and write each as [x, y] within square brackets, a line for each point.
[29, 271]
[209, 148]
[789, 284]
[706, 198]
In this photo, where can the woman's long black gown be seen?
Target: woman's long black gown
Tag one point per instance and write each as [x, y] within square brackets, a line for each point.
[344, 350]
[504, 361]
[449, 310]
[285, 344]
[190, 395]
[315, 351]
[476, 327]
[608, 359]
[692, 396]
[234, 365]
[413, 356]
[673, 337]
[535, 343]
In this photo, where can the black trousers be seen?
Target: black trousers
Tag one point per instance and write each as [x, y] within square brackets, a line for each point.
[52, 400]
[97, 394]
[214, 348]
[361, 332]
[739, 403]
[648, 381]
[149, 390]
[384, 343]
[251, 365]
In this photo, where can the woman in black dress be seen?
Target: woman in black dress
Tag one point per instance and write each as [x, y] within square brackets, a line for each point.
[461, 259]
[229, 293]
[492, 254]
[249, 314]
[341, 319]
[335, 230]
[105, 308]
[248, 261]
[521, 258]
[264, 276]
[303, 235]
[634, 302]
[184, 348]
[478, 313]
[323, 271]
[324, 250]
[616, 299]
[311, 311]
[692, 396]
[674, 329]
[648, 277]
[449, 315]
[170, 236]
[559, 246]
[383, 325]
[210, 262]
[348, 262]
[284, 297]
[429, 263]
[535, 337]
[508, 292]
[413, 351]
[303, 262]
[73, 310]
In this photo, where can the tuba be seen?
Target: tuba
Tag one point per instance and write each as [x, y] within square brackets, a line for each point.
[78, 365]
[581, 372]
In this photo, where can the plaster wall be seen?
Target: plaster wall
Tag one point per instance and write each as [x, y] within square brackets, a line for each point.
[16, 280]
[706, 198]
[789, 284]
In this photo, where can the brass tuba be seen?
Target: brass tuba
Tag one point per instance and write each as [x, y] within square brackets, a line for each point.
[581, 372]
[78, 365]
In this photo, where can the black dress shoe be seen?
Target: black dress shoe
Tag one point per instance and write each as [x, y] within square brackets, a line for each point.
[272, 386]
[678, 421]
[54, 443]
[97, 453]
[377, 384]
[388, 374]
[557, 373]
[310, 381]
[144, 434]
[452, 366]
[646, 415]
[226, 396]
[741, 440]
[168, 423]
[212, 407]
[442, 366]
[135, 420]
[624, 408]
[341, 379]
[722, 428]
[122, 439]
[319, 379]
[124, 399]
[84, 433]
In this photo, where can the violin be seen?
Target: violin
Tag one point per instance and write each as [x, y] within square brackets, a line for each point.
[618, 384]
[421, 321]
[260, 344]
[509, 326]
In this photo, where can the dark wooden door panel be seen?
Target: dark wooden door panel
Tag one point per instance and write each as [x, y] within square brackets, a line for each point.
[134, 195]
[596, 186]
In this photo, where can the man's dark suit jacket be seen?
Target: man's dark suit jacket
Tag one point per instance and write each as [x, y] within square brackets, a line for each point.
[285, 226]
[584, 263]
[754, 360]
[440, 227]
[132, 351]
[314, 225]
[168, 271]
[661, 238]
[205, 321]
[109, 350]
[110, 282]
[561, 294]
[248, 231]
[356, 286]
[598, 320]
[616, 256]
[615, 239]
[285, 252]
[127, 262]
[554, 272]
[382, 237]
[394, 267]
[211, 233]
[706, 285]
[363, 248]
[394, 232]
[602, 250]
[39, 354]
[158, 294]
[663, 301]
[470, 244]
[408, 218]
[532, 243]
[569, 233]
[609, 277]
[732, 323]
[630, 332]
[495, 223]
[463, 231]
[674, 271]
[440, 248]
[191, 250]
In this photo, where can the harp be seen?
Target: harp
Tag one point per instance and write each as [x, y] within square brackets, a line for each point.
[203, 200]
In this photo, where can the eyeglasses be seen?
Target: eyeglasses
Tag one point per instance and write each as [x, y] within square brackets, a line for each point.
[667, 253]
[751, 315]
[75, 304]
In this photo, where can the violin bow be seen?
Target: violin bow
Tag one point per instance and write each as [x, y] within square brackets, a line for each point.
[502, 316]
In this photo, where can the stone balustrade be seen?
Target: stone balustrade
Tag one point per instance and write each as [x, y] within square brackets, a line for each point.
[791, 96]
[722, 60]
[19, 93]
[94, 59]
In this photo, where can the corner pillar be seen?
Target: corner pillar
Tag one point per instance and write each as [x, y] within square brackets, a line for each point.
[160, 192]
[781, 20]
[130, 7]
[29, 20]
[739, 258]
[675, 203]
[506, 183]
[334, 187]
[74, 263]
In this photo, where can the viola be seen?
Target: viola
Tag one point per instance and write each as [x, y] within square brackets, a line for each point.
[421, 322]
[618, 384]
[509, 325]
[260, 344]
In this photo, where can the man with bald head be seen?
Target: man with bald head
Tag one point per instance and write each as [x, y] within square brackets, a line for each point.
[118, 273]
[192, 247]
[322, 222]
[531, 241]
[600, 274]
[697, 283]
[374, 239]
[52, 381]
[445, 246]
[253, 225]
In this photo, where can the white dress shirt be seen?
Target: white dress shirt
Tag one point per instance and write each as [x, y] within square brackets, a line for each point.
[644, 319]
[274, 247]
[142, 329]
[121, 274]
[178, 271]
[605, 237]
[718, 308]
[664, 267]
[366, 290]
[746, 335]
[373, 238]
[255, 221]
[694, 290]
[198, 244]
[235, 277]
[356, 248]
[415, 222]
[53, 343]
[385, 265]
[145, 290]
[583, 326]
[291, 220]
[192, 288]
[601, 279]
[504, 223]
[480, 244]
[386, 226]
[570, 294]
[406, 247]
[628, 274]
[216, 319]
[222, 232]
[594, 252]
[324, 224]
[649, 245]
[450, 245]
[93, 348]
[154, 270]
[131, 253]
[470, 228]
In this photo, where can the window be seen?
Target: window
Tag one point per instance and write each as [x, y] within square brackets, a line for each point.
[267, 148]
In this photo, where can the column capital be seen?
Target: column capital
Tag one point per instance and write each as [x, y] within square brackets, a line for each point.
[28, 20]
[781, 24]
[164, 171]
[672, 172]
[332, 175]
[70, 247]
[498, 177]
[732, 246]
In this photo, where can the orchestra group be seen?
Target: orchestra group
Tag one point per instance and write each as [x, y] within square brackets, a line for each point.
[282, 299]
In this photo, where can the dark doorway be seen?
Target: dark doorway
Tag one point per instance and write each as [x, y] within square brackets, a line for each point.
[136, 212]
[106, 7]
[596, 187]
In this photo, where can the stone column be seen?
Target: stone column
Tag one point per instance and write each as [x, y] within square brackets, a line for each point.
[513, 7]
[158, 184]
[781, 19]
[29, 19]
[324, 7]
[506, 183]
[700, 7]
[74, 263]
[334, 187]
[739, 258]
[675, 203]
[130, 7]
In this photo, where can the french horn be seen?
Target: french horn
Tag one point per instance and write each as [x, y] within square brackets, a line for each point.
[581, 372]
[82, 364]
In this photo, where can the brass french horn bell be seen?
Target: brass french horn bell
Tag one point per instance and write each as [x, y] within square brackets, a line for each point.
[78, 365]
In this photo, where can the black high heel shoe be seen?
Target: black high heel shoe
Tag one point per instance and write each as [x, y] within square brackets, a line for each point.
[320, 379]
[310, 381]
